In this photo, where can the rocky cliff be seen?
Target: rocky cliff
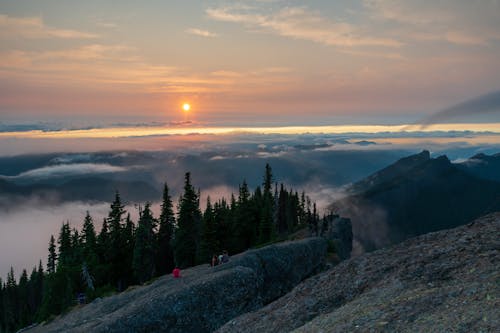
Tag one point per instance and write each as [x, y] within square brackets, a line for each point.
[445, 281]
[204, 298]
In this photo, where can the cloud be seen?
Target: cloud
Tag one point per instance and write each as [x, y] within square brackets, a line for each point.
[265, 154]
[202, 33]
[484, 104]
[218, 157]
[65, 170]
[458, 22]
[107, 25]
[117, 68]
[369, 222]
[301, 23]
[35, 28]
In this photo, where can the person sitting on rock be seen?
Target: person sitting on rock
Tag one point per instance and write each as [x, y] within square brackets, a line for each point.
[176, 272]
[225, 257]
[215, 260]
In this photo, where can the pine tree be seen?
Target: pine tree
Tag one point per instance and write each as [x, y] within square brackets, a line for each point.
[115, 251]
[209, 237]
[244, 224]
[11, 302]
[165, 255]
[2, 307]
[102, 276]
[64, 241]
[89, 244]
[52, 258]
[23, 310]
[303, 213]
[187, 233]
[128, 241]
[57, 294]
[266, 232]
[144, 251]
[282, 211]
[32, 294]
[76, 249]
[268, 179]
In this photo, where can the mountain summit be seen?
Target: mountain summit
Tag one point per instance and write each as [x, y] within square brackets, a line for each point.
[416, 195]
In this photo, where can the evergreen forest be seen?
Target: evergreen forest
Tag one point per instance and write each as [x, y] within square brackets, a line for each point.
[86, 264]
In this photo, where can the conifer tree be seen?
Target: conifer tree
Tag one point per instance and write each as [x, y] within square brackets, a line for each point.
[64, 241]
[102, 275]
[266, 232]
[76, 249]
[23, 310]
[35, 286]
[282, 211]
[115, 251]
[244, 231]
[51, 260]
[128, 241]
[143, 262]
[209, 237]
[165, 254]
[2, 307]
[10, 302]
[224, 220]
[89, 244]
[187, 233]
[57, 294]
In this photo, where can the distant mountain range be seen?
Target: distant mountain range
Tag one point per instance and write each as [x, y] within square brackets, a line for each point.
[419, 194]
[483, 166]
[139, 176]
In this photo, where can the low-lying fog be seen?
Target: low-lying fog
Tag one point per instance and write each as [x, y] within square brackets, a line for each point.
[39, 195]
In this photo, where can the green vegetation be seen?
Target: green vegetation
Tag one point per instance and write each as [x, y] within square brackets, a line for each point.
[123, 254]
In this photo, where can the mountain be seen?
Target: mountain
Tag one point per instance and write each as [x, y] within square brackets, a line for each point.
[482, 166]
[445, 281]
[416, 195]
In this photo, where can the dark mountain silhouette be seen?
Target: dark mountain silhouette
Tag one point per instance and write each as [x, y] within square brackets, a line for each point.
[483, 166]
[416, 195]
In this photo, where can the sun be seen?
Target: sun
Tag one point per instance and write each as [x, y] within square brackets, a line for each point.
[186, 107]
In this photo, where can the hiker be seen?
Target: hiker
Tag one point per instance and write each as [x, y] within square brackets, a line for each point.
[176, 272]
[225, 257]
[215, 261]
[220, 259]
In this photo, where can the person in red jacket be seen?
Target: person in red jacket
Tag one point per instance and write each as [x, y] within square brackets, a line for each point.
[176, 272]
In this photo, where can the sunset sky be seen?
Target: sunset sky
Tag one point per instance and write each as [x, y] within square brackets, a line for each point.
[245, 61]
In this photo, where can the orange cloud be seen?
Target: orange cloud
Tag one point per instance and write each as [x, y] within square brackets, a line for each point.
[34, 28]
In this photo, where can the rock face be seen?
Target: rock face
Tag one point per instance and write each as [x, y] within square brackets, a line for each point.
[339, 231]
[281, 267]
[444, 281]
[204, 298]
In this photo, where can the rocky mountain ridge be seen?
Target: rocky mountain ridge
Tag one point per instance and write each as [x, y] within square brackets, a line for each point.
[204, 298]
[445, 281]
[416, 195]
